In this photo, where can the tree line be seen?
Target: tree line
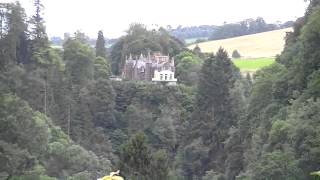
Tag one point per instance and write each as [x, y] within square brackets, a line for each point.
[227, 30]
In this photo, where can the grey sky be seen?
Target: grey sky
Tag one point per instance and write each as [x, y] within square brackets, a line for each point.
[114, 16]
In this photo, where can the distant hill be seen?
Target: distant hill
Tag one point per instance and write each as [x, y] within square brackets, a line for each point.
[267, 44]
[227, 30]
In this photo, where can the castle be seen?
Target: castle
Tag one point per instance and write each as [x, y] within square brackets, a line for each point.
[154, 68]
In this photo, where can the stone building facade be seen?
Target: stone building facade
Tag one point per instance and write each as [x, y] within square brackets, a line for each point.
[153, 68]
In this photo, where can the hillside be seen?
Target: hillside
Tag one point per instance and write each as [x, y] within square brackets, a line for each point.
[266, 44]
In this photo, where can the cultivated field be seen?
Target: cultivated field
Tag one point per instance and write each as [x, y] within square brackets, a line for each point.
[267, 44]
[252, 65]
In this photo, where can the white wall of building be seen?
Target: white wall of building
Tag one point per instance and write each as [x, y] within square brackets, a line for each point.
[164, 76]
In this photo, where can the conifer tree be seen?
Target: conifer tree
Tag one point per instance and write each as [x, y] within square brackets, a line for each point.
[135, 157]
[214, 114]
[13, 35]
[38, 30]
[213, 98]
[100, 45]
[197, 50]
[236, 54]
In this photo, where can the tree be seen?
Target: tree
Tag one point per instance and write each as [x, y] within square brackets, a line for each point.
[160, 165]
[100, 45]
[188, 66]
[79, 60]
[214, 114]
[282, 108]
[277, 165]
[102, 68]
[138, 162]
[38, 33]
[197, 49]
[135, 158]
[217, 77]
[236, 54]
[14, 40]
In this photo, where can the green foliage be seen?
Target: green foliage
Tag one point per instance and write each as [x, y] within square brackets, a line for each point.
[188, 66]
[227, 127]
[159, 165]
[212, 138]
[139, 40]
[135, 157]
[138, 162]
[79, 60]
[34, 138]
[277, 165]
[31, 147]
[80, 176]
[211, 175]
[38, 173]
[13, 38]
[282, 108]
[100, 46]
[101, 68]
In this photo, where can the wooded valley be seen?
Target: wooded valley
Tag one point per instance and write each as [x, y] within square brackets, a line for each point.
[61, 117]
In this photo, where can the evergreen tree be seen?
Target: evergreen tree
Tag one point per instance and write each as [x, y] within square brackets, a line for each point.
[197, 50]
[214, 114]
[135, 158]
[217, 77]
[100, 45]
[38, 32]
[236, 54]
[14, 39]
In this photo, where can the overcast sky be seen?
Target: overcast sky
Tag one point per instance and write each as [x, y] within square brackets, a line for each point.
[114, 16]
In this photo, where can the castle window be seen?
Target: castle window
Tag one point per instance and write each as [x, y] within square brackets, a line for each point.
[161, 76]
[165, 76]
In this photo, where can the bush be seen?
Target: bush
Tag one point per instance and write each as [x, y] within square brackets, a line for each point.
[236, 54]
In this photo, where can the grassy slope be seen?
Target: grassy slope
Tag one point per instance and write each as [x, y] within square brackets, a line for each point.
[251, 65]
[267, 44]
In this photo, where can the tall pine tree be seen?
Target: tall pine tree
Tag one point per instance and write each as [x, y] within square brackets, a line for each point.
[38, 30]
[212, 118]
[100, 45]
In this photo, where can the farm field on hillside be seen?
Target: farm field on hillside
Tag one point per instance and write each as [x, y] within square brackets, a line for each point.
[253, 64]
[267, 44]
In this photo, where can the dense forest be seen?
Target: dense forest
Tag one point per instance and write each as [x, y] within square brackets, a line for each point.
[62, 118]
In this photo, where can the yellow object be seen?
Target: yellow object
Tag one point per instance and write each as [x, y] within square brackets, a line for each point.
[112, 178]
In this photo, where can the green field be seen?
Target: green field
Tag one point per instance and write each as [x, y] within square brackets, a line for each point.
[253, 64]
[193, 40]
